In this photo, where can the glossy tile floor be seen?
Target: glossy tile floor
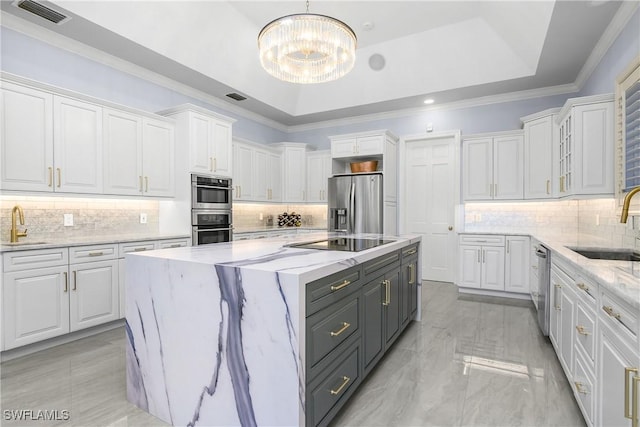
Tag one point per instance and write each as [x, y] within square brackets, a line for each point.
[471, 361]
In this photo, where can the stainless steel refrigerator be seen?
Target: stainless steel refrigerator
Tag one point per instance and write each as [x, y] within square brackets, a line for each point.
[355, 203]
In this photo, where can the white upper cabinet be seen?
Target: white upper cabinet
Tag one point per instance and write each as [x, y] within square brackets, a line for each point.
[351, 146]
[275, 177]
[208, 136]
[157, 157]
[26, 138]
[294, 159]
[586, 145]
[257, 172]
[122, 152]
[318, 172]
[243, 155]
[540, 140]
[77, 146]
[492, 166]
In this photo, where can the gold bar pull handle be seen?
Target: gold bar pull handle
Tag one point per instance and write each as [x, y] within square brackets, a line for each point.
[386, 293]
[66, 282]
[583, 287]
[556, 299]
[634, 404]
[75, 281]
[50, 177]
[627, 384]
[345, 381]
[548, 182]
[340, 286]
[344, 327]
[59, 177]
[146, 184]
[412, 274]
[215, 165]
[580, 388]
[137, 250]
[582, 330]
[411, 252]
[96, 253]
[609, 310]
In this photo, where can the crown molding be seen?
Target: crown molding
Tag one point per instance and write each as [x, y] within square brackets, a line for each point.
[62, 42]
[613, 30]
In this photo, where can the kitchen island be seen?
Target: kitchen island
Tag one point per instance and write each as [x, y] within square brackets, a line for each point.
[260, 332]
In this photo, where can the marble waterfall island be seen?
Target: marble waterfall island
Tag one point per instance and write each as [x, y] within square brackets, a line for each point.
[218, 335]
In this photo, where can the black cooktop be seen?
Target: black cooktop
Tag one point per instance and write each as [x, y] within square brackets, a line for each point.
[349, 244]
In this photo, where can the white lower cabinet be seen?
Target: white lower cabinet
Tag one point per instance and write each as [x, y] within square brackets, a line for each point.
[516, 272]
[93, 294]
[481, 262]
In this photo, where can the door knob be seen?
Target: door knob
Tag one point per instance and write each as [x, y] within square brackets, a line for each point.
[450, 228]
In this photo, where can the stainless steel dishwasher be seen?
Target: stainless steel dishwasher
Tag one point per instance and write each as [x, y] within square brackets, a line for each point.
[544, 291]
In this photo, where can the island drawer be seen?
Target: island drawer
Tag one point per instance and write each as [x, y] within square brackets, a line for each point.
[409, 252]
[384, 262]
[330, 391]
[328, 328]
[328, 290]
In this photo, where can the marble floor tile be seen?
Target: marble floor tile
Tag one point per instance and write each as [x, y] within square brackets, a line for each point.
[471, 361]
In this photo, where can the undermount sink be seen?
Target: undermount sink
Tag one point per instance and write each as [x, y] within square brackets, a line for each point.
[23, 243]
[608, 254]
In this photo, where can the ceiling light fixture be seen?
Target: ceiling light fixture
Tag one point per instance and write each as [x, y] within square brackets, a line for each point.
[307, 48]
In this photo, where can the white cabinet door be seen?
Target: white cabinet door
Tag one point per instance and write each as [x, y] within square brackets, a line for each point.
[77, 146]
[343, 148]
[274, 174]
[370, 145]
[295, 175]
[390, 218]
[318, 171]
[242, 178]
[517, 264]
[593, 136]
[94, 295]
[221, 148]
[613, 358]
[26, 139]
[158, 164]
[567, 329]
[260, 175]
[555, 319]
[199, 143]
[538, 158]
[390, 171]
[492, 268]
[35, 305]
[477, 169]
[470, 266]
[508, 164]
[122, 153]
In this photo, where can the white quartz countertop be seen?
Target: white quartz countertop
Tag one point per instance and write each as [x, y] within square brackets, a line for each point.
[274, 255]
[33, 243]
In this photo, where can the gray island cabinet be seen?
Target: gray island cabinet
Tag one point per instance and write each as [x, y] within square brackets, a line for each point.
[260, 333]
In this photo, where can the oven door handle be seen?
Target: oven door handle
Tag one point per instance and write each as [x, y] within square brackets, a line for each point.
[214, 187]
[213, 229]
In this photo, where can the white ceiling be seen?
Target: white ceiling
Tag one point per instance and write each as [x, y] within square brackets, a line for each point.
[446, 50]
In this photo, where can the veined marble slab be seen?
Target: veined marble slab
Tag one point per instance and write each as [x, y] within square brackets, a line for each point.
[216, 333]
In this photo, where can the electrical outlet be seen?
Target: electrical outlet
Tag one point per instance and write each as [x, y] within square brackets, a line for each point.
[143, 218]
[68, 220]
[260, 217]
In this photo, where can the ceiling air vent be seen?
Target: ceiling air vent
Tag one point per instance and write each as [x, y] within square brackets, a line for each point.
[236, 96]
[42, 11]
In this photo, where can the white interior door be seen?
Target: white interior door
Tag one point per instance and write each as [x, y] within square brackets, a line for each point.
[430, 188]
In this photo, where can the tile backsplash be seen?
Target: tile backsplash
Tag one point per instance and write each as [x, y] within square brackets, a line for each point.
[43, 217]
[588, 222]
[247, 215]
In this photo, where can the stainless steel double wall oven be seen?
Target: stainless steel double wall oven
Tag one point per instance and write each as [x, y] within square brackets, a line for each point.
[211, 214]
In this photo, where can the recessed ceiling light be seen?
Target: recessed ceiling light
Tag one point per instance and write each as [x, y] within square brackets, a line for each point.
[429, 101]
[376, 62]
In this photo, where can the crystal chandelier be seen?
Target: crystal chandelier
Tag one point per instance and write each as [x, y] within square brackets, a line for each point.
[307, 48]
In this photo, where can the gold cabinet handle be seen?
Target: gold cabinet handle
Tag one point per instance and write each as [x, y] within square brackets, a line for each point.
[634, 405]
[75, 281]
[583, 287]
[146, 184]
[412, 251]
[135, 250]
[557, 305]
[579, 387]
[345, 381]
[609, 310]
[627, 372]
[50, 176]
[66, 281]
[344, 327]
[412, 274]
[140, 183]
[582, 330]
[450, 228]
[59, 176]
[548, 182]
[340, 286]
[175, 245]
[387, 292]
[215, 164]
[96, 253]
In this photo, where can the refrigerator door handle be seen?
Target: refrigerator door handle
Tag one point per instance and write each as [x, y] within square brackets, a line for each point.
[352, 208]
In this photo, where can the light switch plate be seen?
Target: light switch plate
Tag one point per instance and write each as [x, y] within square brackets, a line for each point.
[143, 218]
[68, 220]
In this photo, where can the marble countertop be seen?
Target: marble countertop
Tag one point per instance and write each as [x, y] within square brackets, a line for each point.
[274, 255]
[33, 243]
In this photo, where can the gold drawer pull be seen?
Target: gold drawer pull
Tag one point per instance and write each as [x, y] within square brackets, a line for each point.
[412, 251]
[175, 245]
[583, 287]
[50, 177]
[75, 281]
[139, 249]
[609, 310]
[412, 274]
[579, 388]
[582, 330]
[96, 253]
[345, 326]
[66, 282]
[345, 381]
[628, 371]
[340, 286]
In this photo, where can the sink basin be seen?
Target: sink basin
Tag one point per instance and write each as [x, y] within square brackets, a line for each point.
[608, 254]
[23, 243]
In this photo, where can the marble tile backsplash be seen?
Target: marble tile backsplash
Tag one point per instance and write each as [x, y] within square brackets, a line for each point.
[588, 222]
[43, 217]
[247, 215]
